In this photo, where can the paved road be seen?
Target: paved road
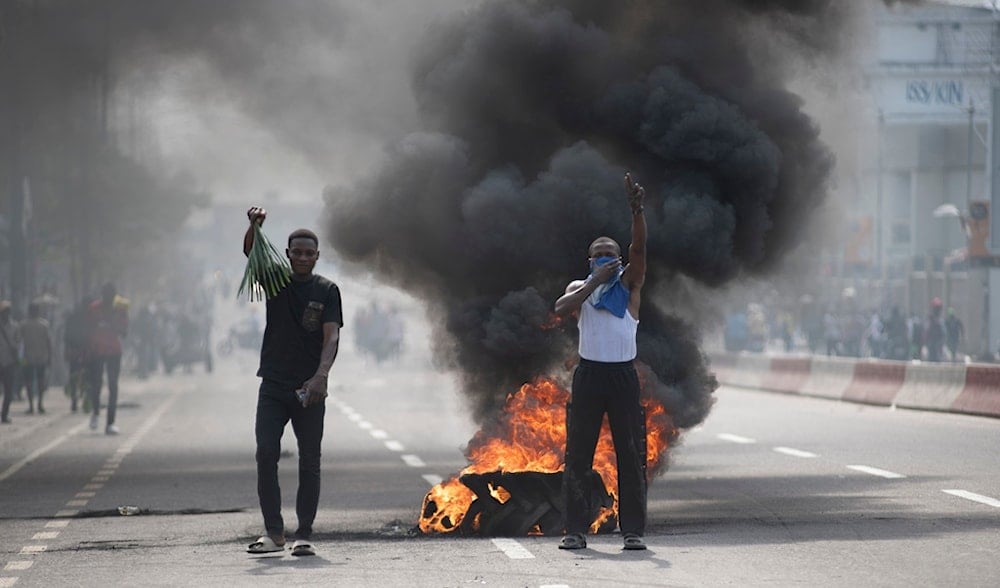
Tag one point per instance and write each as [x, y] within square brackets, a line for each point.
[772, 490]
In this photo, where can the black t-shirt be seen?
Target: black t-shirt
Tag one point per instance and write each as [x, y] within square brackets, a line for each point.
[293, 338]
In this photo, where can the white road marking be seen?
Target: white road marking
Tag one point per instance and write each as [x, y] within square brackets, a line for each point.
[876, 471]
[794, 452]
[554, 586]
[736, 438]
[13, 469]
[86, 494]
[93, 486]
[33, 548]
[355, 417]
[100, 479]
[394, 445]
[7, 582]
[80, 502]
[67, 513]
[379, 434]
[432, 479]
[974, 497]
[413, 461]
[106, 473]
[18, 565]
[365, 425]
[57, 524]
[44, 535]
[512, 548]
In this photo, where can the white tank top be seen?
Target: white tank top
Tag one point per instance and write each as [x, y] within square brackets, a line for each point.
[605, 337]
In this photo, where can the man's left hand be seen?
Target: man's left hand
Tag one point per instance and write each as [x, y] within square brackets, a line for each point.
[635, 192]
[316, 387]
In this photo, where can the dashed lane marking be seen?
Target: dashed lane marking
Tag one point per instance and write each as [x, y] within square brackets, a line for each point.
[432, 479]
[413, 461]
[13, 469]
[61, 524]
[394, 446]
[80, 502]
[974, 497]
[365, 425]
[7, 582]
[379, 434]
[875, 471]
[512, 548]
[15, 566]
[794, 452]
[736, 438]
[42, 535]
[33, 549]
[66, 513]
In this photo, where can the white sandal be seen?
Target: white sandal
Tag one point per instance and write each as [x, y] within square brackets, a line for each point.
[264, 544]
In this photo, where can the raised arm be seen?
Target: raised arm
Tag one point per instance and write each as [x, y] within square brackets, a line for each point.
[256, 215]
[635, 272]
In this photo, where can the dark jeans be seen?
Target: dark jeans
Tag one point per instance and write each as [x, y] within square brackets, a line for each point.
[7, 381]
[95, 372]
[276, 405]
[35, 382]
[600, 388]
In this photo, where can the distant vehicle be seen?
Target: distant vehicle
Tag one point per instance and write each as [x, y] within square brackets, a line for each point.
[185, 342]
[244, 335]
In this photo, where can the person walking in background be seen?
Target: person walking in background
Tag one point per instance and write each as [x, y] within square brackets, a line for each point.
[301, 340]
[955, 333]
[76, 341]
[8, 358]
[831, 333]
[107, 323]
[37, 345]
[605, 381]
[934, 331]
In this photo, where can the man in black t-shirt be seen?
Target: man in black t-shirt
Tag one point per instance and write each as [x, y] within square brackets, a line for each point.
[300, 345]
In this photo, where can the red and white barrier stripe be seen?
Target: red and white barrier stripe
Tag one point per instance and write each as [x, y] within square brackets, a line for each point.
[972, 389]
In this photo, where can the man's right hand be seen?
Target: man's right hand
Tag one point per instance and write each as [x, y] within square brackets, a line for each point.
[256, 215]
[606, 271]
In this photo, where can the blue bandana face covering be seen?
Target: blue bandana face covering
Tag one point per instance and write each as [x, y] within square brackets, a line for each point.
[612, 295]
[599, 261]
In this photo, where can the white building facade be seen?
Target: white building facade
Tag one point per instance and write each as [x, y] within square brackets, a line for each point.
[932, 79]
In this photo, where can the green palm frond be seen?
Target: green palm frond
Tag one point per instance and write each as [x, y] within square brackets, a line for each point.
[268, 271]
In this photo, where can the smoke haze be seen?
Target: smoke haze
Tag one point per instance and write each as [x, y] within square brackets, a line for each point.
[531, 112]
[474, 149]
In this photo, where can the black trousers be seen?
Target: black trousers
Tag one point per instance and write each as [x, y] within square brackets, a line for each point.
[599, 389]
[276, 405]
[96, 367]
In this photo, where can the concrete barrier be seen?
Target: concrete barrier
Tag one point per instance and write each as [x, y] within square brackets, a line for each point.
[932, 386]
[971, 389]
[786, 374]
[981, 394]
[829, 377]
[876, 382]
[751, 368]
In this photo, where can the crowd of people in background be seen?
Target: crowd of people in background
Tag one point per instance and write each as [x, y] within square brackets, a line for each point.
[86, 348]
[937, 335]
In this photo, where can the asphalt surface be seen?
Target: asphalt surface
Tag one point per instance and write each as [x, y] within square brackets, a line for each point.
[772, 490]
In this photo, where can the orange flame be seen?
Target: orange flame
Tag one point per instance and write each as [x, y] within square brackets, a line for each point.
[531, 436]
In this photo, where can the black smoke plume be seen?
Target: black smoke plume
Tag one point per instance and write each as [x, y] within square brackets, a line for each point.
[531, 113]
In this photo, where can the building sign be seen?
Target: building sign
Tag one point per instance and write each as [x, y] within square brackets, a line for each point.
[947, 92]
[942, 98]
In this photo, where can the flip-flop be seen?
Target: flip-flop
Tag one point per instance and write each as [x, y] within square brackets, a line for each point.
[264, 544]
[302, 547]
[573, 541]
[634, 542]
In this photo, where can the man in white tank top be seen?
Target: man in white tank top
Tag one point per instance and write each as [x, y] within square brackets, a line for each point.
[605, 382]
